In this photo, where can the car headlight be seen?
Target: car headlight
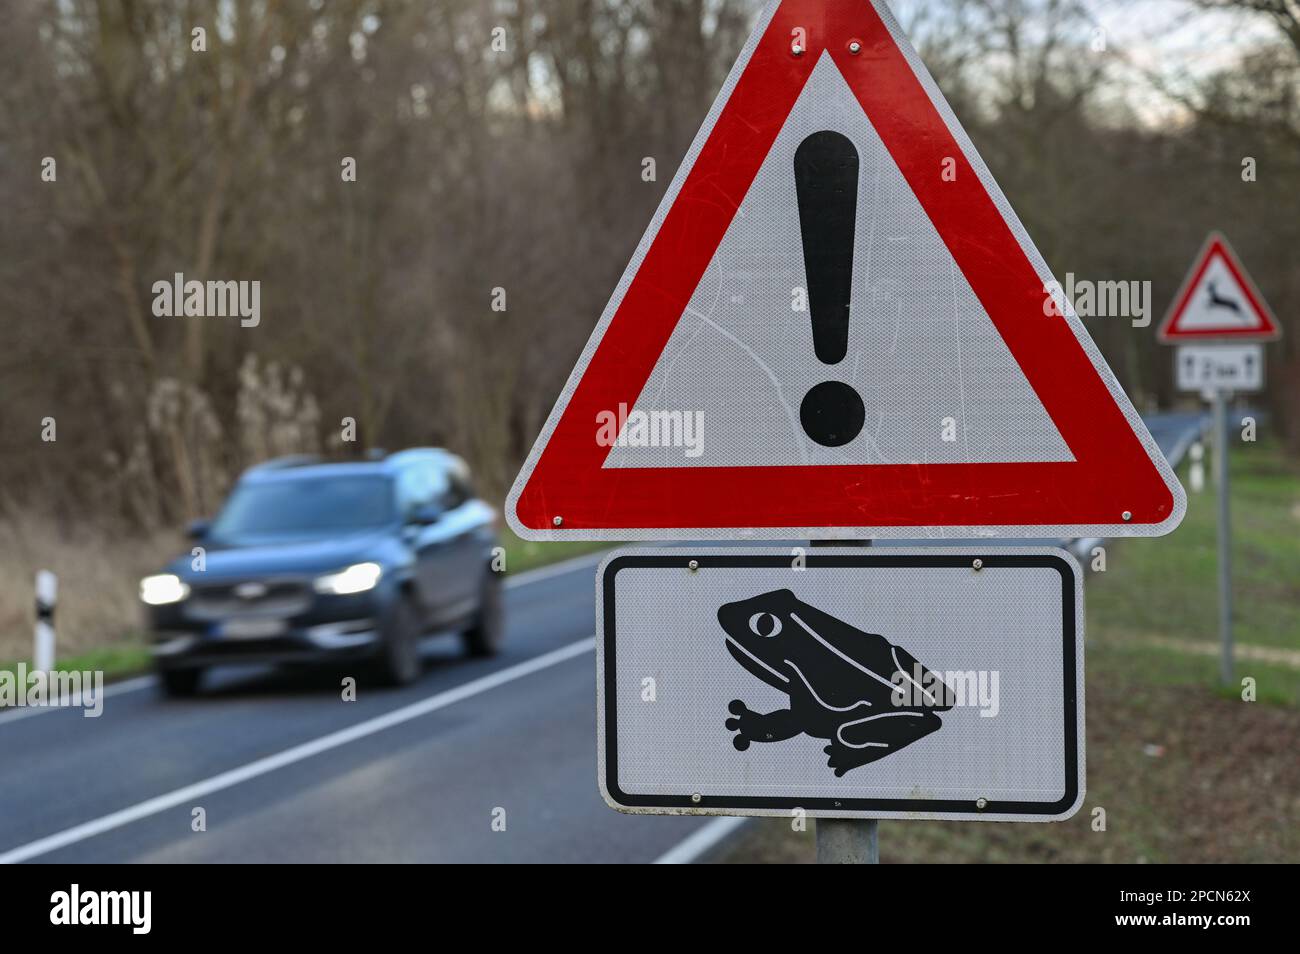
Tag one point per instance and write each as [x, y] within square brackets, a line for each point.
[163, 588]
[357, 578]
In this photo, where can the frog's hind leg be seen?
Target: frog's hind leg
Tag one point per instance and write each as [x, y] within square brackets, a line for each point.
[862, 741]
[751, 726]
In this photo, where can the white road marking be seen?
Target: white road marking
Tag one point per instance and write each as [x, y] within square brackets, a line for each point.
[15, 713]
[700, 841]
[189, 793]
[537, 575]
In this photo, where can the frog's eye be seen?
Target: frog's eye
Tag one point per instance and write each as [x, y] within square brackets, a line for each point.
[764, 624]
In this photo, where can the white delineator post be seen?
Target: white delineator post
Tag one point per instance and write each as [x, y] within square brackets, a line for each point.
[1196, 472]
[47, 593]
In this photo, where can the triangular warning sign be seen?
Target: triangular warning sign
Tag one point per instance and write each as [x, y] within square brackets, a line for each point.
[835, 326]
[1218, 300]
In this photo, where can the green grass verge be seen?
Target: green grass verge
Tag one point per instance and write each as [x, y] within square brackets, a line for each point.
[117, 662]
[1184, 770]
[1168, 585]
[527, 555]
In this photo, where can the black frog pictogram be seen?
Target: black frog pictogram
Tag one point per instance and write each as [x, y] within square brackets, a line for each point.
[842, 682]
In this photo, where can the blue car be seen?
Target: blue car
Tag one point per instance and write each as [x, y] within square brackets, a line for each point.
[311, 562]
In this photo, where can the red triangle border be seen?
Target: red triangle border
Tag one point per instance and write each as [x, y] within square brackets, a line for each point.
[1117, 483]
[1217, 246]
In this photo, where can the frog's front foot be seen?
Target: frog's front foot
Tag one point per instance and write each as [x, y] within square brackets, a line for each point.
[751, 726]
[740, 711]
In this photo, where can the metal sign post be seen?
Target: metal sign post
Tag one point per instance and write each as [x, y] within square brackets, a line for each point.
[1225, 532]
[847, 841]
[1217, 371]
[1218, 319]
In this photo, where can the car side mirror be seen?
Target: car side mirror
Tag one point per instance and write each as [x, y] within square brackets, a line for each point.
[197, 529]
[425, 514]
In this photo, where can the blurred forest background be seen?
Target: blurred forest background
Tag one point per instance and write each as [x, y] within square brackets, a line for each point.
[517, 168]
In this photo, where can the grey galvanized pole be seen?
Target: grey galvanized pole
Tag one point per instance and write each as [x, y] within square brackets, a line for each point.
[1225, 534]
[847, 841]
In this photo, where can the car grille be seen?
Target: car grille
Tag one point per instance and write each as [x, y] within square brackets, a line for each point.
[249, 598]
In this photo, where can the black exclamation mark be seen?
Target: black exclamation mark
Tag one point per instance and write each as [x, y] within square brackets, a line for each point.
[826, 180]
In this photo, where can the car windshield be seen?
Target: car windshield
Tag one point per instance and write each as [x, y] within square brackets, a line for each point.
[305, 507]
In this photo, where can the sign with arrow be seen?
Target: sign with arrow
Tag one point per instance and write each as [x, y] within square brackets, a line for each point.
[881, 683]
[1218, 301]
[1220, 367]
[835, 326]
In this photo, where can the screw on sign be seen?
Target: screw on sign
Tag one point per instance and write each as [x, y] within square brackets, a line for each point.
[818, 168]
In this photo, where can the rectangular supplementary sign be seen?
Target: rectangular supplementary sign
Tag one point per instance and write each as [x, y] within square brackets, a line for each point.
[851, 682]
[1220, 367]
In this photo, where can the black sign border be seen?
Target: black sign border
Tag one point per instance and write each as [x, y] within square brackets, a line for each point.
[722, 803]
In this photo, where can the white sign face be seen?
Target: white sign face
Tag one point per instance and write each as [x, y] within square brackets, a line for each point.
[1220, 367]
[843, 683]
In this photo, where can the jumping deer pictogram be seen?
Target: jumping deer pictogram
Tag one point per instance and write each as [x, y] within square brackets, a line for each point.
[1217, 301]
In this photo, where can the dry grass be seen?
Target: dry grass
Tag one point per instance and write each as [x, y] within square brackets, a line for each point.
[98, 574]
[99, 570]
[1186, 772]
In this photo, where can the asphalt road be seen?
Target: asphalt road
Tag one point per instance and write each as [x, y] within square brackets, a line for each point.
[1176, 431]
[287, 771]
[423, 789]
